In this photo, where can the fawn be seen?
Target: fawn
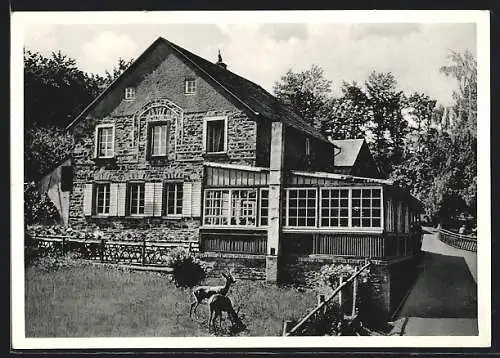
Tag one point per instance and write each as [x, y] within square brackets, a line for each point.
[219, 303]
[202, 292]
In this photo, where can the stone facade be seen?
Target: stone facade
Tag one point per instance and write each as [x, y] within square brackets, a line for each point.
[162, 86]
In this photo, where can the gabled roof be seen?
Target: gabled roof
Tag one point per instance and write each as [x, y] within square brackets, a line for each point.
[347, 152]
[253, 97]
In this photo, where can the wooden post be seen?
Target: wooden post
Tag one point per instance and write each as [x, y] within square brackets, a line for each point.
[143, 251]
[63, 245]
[103, 247]
[287, 325]
[354, 294]
[341, 281]
[321, 299]
[190, 248]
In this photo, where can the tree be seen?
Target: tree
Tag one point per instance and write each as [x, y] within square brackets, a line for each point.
[388, 127]
[463, 68]
[347, 117]
[44, 148]
[55, 90]
[110, 76]
[307, 92]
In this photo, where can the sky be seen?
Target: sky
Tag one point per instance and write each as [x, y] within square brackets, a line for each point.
[263, 52]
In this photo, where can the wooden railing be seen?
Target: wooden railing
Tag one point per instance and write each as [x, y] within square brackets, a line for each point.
[302, 327]
[255, 244]
[458, 241]
[141, 253]
[362, 245]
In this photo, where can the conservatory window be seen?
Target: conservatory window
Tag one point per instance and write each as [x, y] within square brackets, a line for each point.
[216, 207]
[334, 208]
[233, 207]
[366, 208]
[301, 207]
[264, 207]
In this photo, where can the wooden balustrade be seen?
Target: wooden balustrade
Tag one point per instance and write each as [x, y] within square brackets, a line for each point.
[234, 243]
[459, 241]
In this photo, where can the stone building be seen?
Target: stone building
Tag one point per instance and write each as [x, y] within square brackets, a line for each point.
[183, 148]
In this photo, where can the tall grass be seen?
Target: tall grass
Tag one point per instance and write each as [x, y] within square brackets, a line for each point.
[94, 301]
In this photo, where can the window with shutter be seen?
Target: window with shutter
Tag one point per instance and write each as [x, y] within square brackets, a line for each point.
[66, 178]
[102, 198]
[196, 200]
[136, 198]
[173, 201]
[87, 199]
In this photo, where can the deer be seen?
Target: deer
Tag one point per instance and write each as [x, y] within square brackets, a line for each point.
[201, 293]
[220, 303]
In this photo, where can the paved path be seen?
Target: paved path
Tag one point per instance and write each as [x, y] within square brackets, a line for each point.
[443, 300]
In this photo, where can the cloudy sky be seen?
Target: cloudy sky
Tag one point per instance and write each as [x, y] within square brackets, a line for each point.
[262, 52]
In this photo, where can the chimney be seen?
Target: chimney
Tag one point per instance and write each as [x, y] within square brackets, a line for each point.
[219, 61]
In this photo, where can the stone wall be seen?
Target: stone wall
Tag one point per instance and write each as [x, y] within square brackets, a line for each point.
[389, 281]
[250, 267]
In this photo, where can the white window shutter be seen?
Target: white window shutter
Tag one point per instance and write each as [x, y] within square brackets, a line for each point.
[113, 199]
[196, 200]
[122, 198]
[149, 197]
[158, 198]
[187, 189]
[87, 200]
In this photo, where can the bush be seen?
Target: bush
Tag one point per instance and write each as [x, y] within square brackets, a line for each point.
[330, 275]
[37, 207]
[188, 271]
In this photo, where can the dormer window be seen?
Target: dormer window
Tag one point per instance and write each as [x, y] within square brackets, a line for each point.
[130, 93]
[190, 86]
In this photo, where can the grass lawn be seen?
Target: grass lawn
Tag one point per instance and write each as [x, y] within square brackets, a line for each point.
[88, 300]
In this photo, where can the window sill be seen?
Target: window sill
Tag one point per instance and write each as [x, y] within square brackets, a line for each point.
[357, 230]
[217, 155]
[104, 160]
[232, 227]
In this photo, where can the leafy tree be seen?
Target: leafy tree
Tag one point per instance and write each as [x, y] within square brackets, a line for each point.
[307, 92]
[388, 127]
[463, 68]
[55, 90]
[44, 148]
[347, 117]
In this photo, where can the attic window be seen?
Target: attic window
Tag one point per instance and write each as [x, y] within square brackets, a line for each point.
[190, 86]
[130, 93]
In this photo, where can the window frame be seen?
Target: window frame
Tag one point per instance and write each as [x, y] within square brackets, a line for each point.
[129, 198]
[319, 207]
[129, 94]
[287, 207]
[205, 133]
[188, 81]
[260, 207]
[229, 215]
[95, 206]
[97, 140]
[151, 126]
[164, 211]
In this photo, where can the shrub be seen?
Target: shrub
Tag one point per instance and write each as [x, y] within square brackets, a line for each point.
[330, 275]
[37, 207]
[188, 271]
